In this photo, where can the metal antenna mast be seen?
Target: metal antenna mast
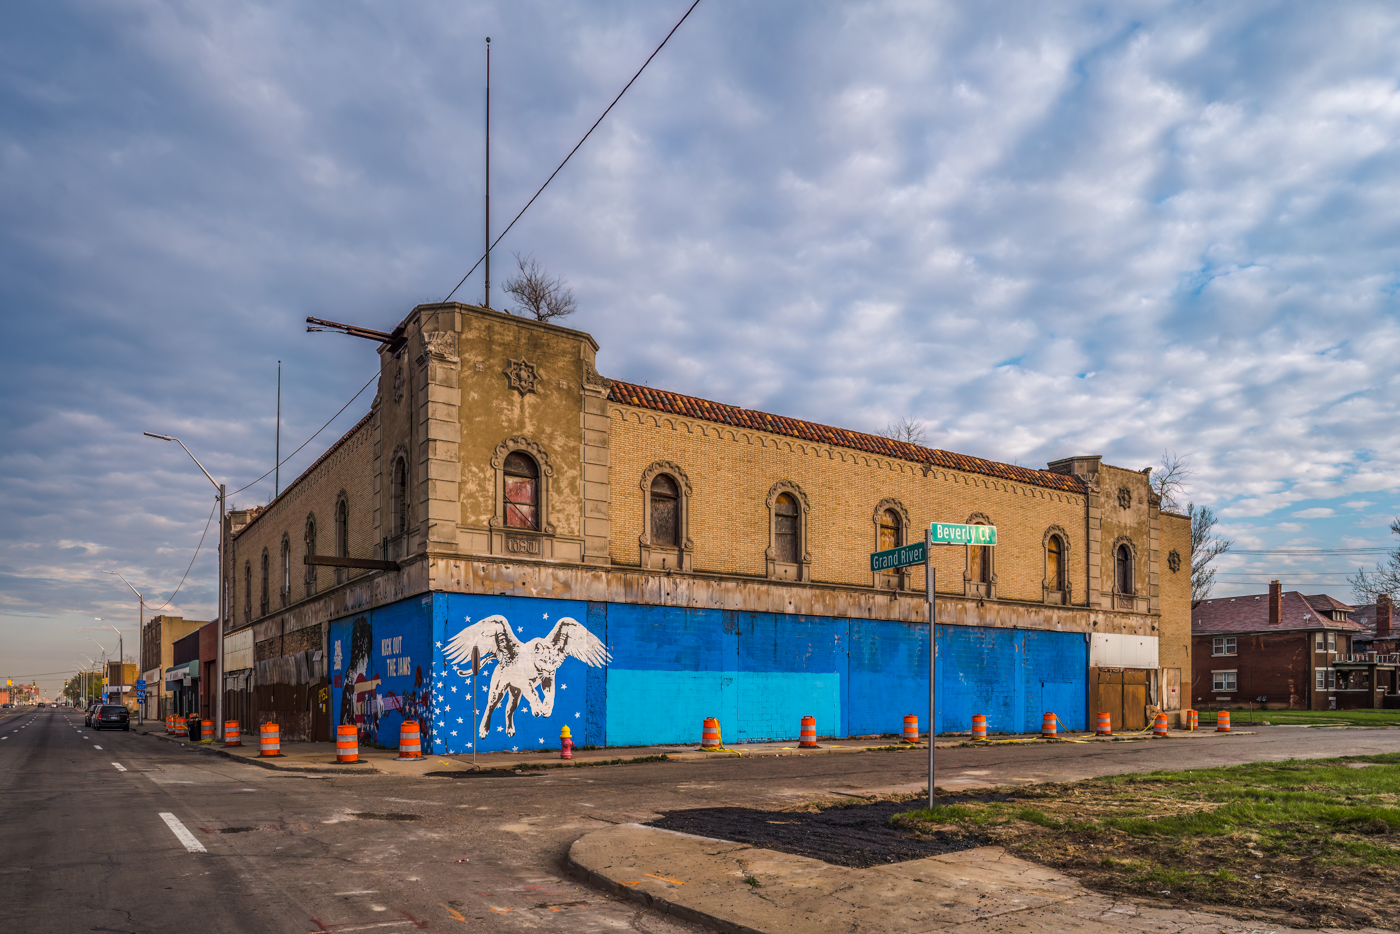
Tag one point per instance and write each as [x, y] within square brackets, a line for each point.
[277, 455]
[488, 172]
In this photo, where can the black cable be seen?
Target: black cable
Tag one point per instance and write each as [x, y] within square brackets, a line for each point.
[575, 149]
[310, 439]
[196, 555]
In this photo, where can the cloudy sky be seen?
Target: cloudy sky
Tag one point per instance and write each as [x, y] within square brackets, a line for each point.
[1042, 229]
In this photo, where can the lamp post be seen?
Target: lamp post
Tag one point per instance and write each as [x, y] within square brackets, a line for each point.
[105, 669]
[87, 682]
[217, 688]
[121, 651]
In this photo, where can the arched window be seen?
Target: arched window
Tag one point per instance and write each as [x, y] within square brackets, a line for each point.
[263, 603]
[342, 536]
[522, 491]
[1123, 569]
[400, 496]
[891, 536]
[342, 528]
[310, 550]
[665, 511]
[1055, 563]
[786, 529]
[286, 569]
[980, 576]
[247, 591]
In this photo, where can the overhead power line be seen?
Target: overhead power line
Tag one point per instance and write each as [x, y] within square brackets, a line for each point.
[1311, 551]
[196, 555]
[574, 150]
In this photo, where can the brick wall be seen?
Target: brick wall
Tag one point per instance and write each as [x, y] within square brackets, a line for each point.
[345, 470]
[731, 473]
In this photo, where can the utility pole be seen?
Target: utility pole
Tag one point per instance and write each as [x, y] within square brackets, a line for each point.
[277, 445]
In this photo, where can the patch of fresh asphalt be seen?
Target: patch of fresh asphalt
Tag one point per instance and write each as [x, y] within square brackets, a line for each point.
[286, 851]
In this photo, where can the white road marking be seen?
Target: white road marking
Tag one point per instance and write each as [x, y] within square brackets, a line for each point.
[119, 766]
[181, 834]
[96, 747]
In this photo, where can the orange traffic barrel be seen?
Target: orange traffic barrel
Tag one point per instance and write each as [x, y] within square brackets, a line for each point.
[979, 726]
[347, 743]
[1105, 727]
[1159, 725]
[206, 731]
[1193, 720]
[169, 725]
[231, 735]
[1049, 726]
[410, 740]
[1222, 721]
[270, 742]
[709, 734]
[808, 736]
[911, 728]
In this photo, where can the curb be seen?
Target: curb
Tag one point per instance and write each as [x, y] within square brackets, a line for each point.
[654, 903]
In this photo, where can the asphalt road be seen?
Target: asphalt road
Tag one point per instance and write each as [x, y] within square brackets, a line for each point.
[119, 832]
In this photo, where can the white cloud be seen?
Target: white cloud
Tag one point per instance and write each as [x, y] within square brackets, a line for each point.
[1316, 512]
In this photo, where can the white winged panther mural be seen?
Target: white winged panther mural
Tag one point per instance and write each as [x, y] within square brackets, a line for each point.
[524, 667]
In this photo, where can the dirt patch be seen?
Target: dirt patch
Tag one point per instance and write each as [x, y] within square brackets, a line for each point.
[855, 835]
[1313, 844]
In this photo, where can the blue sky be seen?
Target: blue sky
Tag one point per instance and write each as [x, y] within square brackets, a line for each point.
[1115, 228]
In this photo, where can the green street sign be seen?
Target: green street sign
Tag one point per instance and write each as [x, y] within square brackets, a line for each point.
[900, 557]
[949, 533]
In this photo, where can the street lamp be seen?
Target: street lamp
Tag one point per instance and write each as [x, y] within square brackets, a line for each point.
[106, 671]
[217, 688]
[121, 650]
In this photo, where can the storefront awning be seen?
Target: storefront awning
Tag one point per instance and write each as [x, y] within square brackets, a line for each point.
[189, 671]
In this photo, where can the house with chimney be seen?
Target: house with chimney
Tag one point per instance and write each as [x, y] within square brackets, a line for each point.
[1287, 650]
[1377, 646]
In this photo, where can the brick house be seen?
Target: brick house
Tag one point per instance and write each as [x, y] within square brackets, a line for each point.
[1377, 647]
[1283, 650]
[718, 555]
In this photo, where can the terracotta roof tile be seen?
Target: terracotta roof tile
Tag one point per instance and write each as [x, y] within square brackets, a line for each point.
[662, 401]
[1251, 614]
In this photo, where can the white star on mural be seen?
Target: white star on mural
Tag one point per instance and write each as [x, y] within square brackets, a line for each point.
[575, 716]
[454, 689]
[500, 729]
[519, 628]
[454, 732]
[440, 723]
[447, 710]
[459, 719]
[469, 745]
[486, 687]
[515, 749]
[546, 616]
[439, 645]
[541, 739]
[563, 687]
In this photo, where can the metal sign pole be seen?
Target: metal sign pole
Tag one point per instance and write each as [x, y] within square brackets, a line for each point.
[930, 581]
[476, 670]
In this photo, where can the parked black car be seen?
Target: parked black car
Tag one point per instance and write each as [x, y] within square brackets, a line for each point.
[111, 715]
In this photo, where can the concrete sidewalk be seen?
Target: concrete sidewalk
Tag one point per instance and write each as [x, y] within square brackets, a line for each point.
[732, 887]
[320, 757]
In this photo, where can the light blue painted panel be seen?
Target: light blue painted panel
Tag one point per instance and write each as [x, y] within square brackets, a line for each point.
[771, 704]
[661, 707]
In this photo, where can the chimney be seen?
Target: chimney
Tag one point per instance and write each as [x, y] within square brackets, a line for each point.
[1275, 603]
[1383, 613]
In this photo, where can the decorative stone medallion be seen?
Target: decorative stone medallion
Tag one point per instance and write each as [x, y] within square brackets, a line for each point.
[522, 376]
[1174, 560]
[1125, 497]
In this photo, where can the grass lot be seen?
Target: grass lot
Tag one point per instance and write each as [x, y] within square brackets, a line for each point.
[1310, 717]
[1316, 842]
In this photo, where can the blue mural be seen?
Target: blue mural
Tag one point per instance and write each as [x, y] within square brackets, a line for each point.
[628, 675]
[532, 681]
[381, 670]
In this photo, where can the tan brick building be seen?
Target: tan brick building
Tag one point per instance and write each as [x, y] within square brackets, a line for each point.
[498, 473]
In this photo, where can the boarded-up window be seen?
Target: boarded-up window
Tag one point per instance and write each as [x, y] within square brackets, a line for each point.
[342, 529]
[1055, 563]
[311, 550]
[1123, 559]
[247, 591]
[522, 492]
[400, 497]
[263, 603]
[890, 530]
[981, 564]
[785, 529]
[665, 511]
